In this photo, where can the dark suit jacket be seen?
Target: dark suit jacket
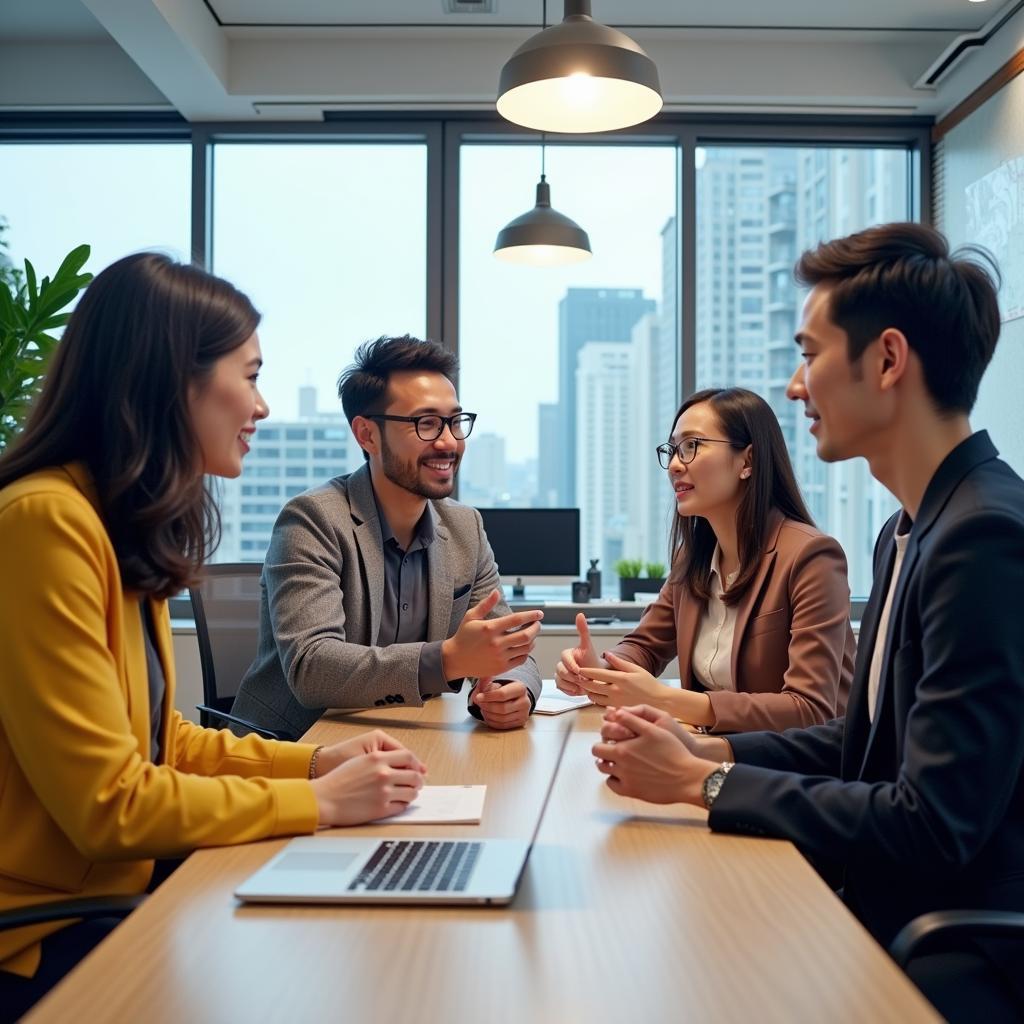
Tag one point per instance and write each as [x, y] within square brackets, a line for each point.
[321, 603]
[923, 807]
[792, 652]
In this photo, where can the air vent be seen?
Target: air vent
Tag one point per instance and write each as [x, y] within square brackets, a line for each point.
[469, 6]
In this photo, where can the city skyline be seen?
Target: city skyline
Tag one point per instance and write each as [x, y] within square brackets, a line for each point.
[347, 266]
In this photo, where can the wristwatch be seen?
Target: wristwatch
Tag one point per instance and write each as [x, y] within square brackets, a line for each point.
[713, 783]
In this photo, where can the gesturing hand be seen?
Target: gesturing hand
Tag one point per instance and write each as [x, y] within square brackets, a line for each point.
[622, 684]
[489, 647]
[583, 655]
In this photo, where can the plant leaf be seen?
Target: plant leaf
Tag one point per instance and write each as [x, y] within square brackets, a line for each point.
[30, 278]
[73, 262]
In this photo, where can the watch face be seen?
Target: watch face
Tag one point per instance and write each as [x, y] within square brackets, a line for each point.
[713, 784]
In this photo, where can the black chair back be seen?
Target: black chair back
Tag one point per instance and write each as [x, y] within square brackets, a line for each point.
[226, 609]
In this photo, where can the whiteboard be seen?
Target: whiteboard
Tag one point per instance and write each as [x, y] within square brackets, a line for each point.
[982, 174]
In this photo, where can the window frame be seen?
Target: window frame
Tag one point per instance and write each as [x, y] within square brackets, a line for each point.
[444, 133]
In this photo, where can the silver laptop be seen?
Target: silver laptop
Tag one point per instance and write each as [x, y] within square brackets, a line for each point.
[449, 869]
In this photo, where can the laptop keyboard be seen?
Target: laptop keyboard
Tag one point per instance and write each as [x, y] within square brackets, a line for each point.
[417, 865]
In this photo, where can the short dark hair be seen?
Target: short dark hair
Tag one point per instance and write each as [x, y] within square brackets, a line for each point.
[746, 419]
[362, 387]
[116, 398]
[904, 276]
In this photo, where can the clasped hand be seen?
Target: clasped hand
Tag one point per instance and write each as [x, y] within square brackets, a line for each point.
[646, 754]
[503, 704]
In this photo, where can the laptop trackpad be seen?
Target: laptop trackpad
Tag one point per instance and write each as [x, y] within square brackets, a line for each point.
[315, 861]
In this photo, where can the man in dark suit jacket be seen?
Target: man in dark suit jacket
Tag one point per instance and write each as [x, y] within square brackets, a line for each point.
[377, 588]
[917, 794]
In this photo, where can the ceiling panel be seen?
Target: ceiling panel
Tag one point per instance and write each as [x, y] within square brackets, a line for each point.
[51, 21]
[916, 15]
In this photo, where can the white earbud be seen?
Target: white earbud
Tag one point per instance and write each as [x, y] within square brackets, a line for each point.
[745, 474]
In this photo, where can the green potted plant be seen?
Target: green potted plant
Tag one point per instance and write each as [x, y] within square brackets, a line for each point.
[628, 570]
[655, 572]
[632, 583]
[30, 311]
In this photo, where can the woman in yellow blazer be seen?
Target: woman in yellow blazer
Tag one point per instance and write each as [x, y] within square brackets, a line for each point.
[103, 515]
[757, 606]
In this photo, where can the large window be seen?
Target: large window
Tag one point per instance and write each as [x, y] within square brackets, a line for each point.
[118, 198]
[573, 370]
[329, 241]
[758, 208]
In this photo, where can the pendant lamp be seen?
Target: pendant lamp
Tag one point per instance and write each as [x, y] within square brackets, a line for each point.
[579, 76]
[543, 237]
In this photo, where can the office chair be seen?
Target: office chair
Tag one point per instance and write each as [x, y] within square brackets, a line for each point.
[63, 910]
[947, 927]
[226, 608]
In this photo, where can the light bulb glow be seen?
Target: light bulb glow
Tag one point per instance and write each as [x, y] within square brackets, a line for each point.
[579, 103]
[541, 255]
[579, 90]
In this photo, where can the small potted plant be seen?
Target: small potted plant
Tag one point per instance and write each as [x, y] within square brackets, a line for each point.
[632, 583]
[628, 570]
[655, 576]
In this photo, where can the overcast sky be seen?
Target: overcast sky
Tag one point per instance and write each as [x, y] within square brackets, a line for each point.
[329, 241]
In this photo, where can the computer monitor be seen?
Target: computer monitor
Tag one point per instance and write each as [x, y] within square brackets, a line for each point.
[534, 545]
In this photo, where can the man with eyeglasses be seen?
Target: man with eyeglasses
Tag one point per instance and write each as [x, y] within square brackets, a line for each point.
[378, 589]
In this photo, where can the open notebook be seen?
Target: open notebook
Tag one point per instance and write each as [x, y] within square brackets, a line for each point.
[447, 869]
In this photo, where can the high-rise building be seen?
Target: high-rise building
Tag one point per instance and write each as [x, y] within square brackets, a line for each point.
[669, 341]
[586, 315]
[604, 377]
[286, 458]
[646, 535]
[550, 455]
[745, 247]
[758, 209]
[483, 474]
[839, 191]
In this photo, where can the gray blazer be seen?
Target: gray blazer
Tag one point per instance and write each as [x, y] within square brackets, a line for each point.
[320, 609]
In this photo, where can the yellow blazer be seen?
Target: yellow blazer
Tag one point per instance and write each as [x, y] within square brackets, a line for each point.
[83, 810]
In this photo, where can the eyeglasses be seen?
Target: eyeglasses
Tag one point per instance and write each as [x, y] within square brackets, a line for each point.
[430, 427]
[687, 449]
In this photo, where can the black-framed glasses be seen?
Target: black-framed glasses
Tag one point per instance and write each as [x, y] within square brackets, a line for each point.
[687, 449]
[430, 426]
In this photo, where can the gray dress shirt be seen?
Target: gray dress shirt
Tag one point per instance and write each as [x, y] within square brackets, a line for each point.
[406, 608]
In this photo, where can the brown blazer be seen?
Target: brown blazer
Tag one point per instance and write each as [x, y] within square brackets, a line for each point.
[792, 656]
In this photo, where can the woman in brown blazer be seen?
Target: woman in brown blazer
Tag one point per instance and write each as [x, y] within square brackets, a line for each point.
[757, 605]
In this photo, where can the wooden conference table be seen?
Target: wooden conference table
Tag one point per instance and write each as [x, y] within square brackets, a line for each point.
[626, 911]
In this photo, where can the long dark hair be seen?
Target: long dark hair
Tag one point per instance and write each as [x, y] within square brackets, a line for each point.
[146, 333]
[746, 419]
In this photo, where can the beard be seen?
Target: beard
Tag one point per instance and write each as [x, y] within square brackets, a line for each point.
[406, 474]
